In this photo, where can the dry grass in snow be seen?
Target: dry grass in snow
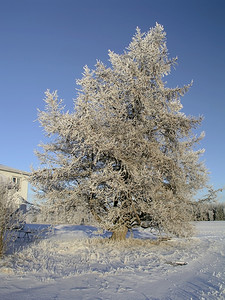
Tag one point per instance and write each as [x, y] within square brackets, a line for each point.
[82, 256]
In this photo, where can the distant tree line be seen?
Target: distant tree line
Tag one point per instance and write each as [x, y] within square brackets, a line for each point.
[209, 212]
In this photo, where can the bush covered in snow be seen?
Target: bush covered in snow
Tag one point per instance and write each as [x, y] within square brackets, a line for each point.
[10, 217]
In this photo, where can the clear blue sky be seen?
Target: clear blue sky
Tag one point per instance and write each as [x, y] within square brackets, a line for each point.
[46, 43]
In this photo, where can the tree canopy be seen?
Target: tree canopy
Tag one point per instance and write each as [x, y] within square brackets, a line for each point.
[126, 153]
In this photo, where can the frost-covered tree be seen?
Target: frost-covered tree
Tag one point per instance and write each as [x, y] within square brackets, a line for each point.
[10, 217]
[126, 153]
[207, 208]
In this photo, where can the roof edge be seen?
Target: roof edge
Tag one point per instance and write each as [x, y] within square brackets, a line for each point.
[12, 170]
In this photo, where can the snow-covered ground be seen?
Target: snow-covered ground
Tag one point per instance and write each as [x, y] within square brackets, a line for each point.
[78, 262]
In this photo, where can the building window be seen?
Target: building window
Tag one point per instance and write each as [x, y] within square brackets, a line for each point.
[16, 181]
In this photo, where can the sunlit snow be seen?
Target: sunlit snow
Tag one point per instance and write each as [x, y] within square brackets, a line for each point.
[79, 262]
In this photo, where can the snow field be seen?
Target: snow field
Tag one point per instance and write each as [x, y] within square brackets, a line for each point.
[92, 267]
[65, 254]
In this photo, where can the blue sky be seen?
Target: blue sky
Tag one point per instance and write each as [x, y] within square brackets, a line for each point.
[46, 43]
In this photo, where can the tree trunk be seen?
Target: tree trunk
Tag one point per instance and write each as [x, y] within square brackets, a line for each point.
[119, 234]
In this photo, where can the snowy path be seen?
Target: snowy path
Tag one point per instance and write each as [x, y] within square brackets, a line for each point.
[67, 265]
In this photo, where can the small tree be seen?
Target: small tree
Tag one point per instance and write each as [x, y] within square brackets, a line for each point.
[126, 152]
[9, 216]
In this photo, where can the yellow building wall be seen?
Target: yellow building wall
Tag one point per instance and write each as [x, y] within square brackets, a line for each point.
[18, 178]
